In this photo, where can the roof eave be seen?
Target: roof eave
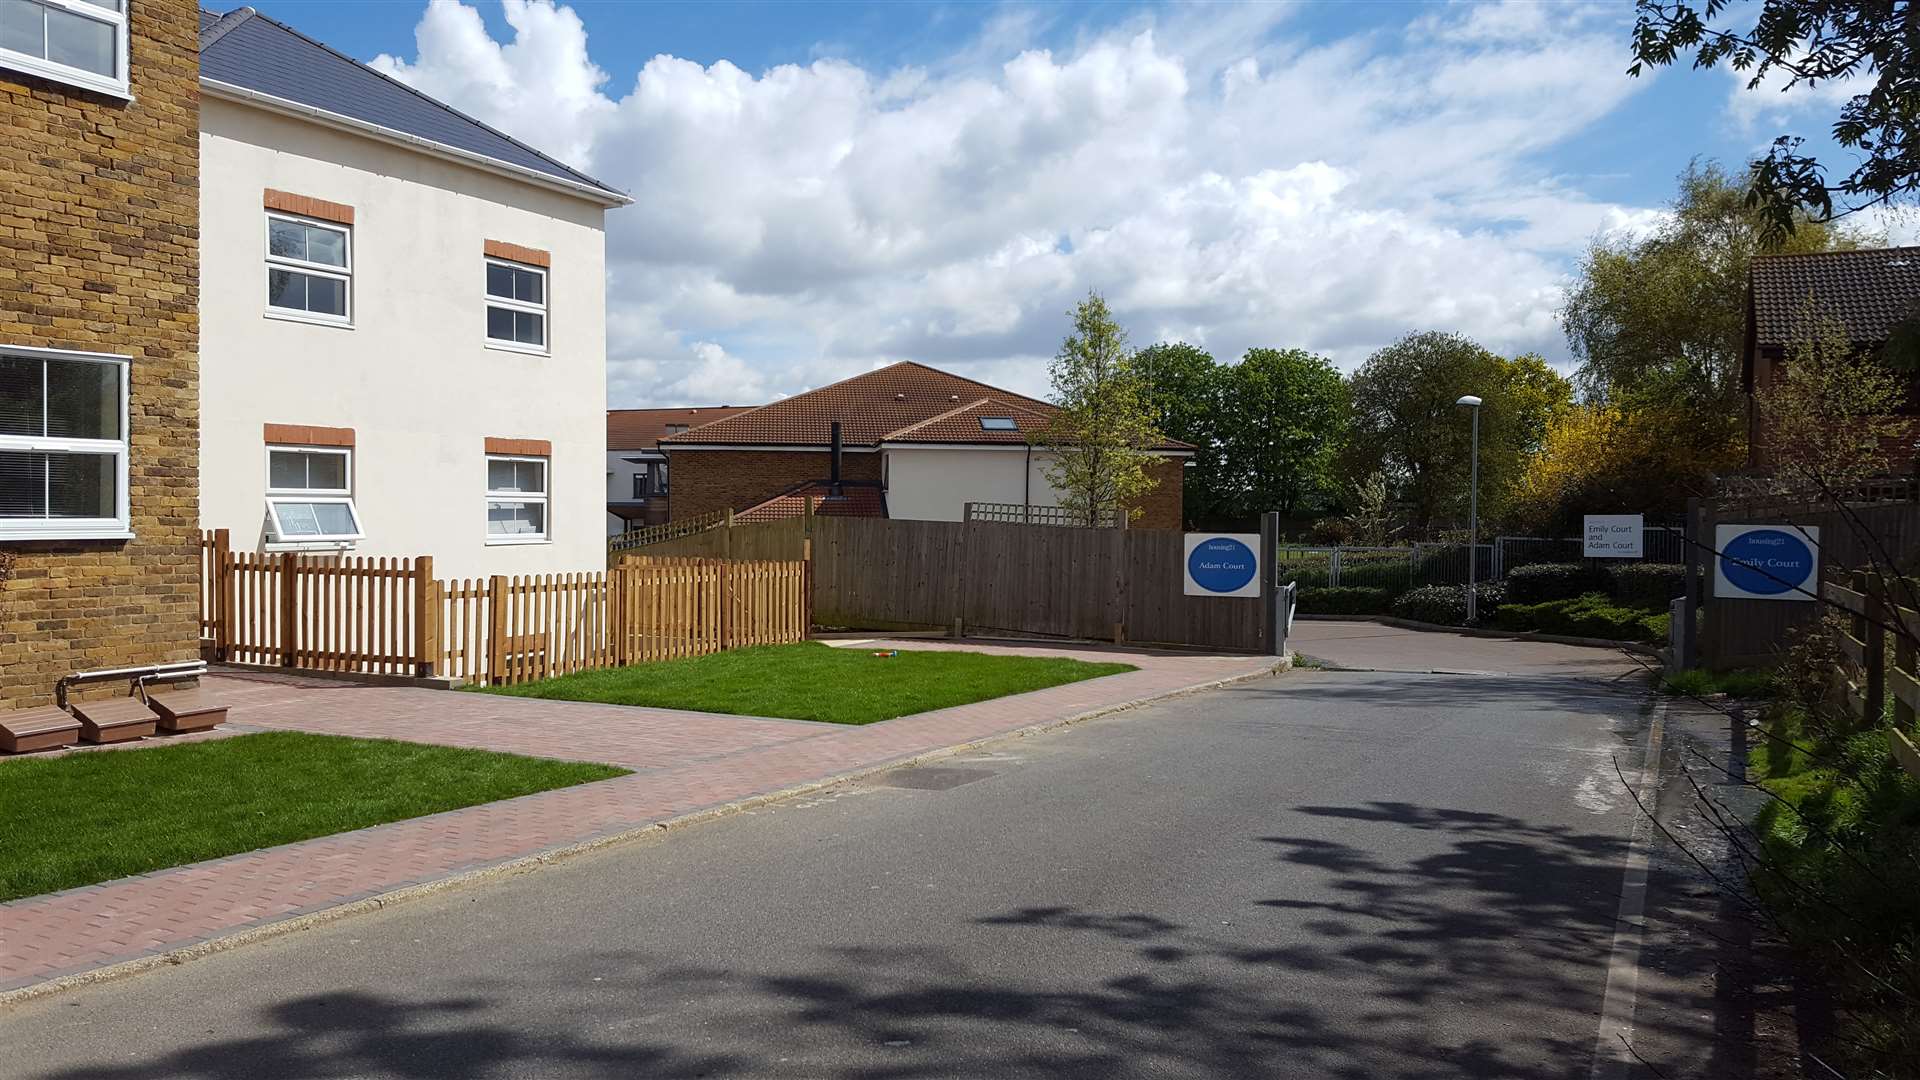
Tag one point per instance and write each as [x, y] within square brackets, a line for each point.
[230, 92]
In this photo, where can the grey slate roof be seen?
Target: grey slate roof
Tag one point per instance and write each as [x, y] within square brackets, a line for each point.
[1868, 291]
[247, 49]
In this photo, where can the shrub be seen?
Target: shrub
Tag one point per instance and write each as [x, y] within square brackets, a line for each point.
[1646, 585]
[1446, 605]
[1345, 600]
[1699, 682]
[1551, 581]
[1589, 615]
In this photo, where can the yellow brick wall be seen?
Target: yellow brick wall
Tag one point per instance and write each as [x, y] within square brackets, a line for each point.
[99, 251]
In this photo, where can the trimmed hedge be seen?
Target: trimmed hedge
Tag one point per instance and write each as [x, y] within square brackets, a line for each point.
[1647, 585]
[1552, 581]
[1446, 605]
[1345, 600]
[1591, 615]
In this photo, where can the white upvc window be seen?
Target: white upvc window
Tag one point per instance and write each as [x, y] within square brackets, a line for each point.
[516, 499]
[63, 445]
[309, 269]
[516, 306]
[310, 498]
[78, 42]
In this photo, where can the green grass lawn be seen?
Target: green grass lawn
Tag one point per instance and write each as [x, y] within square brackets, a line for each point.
[85, 818]
[811, 681]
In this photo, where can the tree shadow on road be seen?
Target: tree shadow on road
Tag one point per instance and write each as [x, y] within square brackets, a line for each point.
[353, 1034]
[1478, 949]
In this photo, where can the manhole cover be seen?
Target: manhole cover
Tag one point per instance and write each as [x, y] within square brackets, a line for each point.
[932, 779]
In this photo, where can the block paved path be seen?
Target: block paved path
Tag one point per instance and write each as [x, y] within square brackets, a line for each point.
[683, 762]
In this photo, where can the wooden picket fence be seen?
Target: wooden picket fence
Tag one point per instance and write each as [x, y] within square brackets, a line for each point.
[1867, 677]
[390, 616]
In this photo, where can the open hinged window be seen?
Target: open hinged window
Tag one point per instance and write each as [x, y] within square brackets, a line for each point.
[310, 497]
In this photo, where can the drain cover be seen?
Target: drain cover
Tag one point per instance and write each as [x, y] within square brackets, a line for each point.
[932, 779]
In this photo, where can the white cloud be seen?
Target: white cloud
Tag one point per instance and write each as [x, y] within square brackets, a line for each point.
[1772, 105]
[1243, 188]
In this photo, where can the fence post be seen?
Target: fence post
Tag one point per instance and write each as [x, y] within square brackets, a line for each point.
[222, 593]
[1333, 567]
[1688, 646]
[1904, 656]
[496, 628]
[1876, 639]
[1117, 612]
[726, 598]
[426, 616]
[289, 609]
[806, 588]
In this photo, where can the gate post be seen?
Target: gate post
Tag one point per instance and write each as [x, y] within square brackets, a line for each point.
[222, 593]
[1270, 607]
[496, 629]
[426, 616]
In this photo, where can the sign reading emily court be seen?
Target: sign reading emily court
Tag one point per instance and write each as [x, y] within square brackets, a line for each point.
[1766, 562]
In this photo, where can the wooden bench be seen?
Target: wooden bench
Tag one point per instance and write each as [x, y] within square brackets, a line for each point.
[186, 710]
[37, 729]
[113, 720]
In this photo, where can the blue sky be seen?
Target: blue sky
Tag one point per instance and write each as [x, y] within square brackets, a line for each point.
[825, 187]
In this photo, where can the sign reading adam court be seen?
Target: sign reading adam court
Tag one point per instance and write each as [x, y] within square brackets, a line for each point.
[1766, 562]
[1223, 564]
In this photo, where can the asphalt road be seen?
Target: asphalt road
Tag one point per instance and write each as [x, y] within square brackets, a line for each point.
[1324, 874]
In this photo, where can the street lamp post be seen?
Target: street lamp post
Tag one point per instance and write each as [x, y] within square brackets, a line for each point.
[1473, 514]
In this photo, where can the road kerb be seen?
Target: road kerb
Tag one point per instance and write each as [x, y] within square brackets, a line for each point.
[526, 863]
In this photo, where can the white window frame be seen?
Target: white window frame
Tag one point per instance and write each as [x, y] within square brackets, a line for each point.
[545, 498]
[545, 348]
[118, 87]
[341, 495]
[343, 274]
[118, 527]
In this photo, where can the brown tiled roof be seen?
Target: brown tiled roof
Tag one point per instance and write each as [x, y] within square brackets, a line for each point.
[855, 500]
[640, 429]
[963, 424]
[901, 402]
[1868, 291]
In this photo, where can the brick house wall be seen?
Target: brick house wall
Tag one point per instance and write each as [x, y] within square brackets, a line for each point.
[1161, 508]
[708, 480]
[99, 252]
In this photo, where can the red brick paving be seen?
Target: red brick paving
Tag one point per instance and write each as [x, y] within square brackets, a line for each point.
[683, 762]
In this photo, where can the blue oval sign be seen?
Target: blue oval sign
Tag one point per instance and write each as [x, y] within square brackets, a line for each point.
[1768, 562]
[1221, 564]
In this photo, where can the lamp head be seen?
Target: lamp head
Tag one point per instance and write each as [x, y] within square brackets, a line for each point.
[1470, 401]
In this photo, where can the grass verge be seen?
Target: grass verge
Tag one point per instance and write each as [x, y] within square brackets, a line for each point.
[86, 818]
[811, 681]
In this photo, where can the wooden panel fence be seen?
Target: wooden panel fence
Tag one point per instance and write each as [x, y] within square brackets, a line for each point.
[1056, 580]
[390, 616]
[1868, 676]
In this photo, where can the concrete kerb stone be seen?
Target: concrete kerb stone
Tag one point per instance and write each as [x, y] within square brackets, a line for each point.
[527, 863]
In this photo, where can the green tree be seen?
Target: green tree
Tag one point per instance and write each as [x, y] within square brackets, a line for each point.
[1102, 431]
[1816, 45]
[1663, 317]
[1183, 384]
[1830, 419]
[1284, 418]
[1406, 423]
